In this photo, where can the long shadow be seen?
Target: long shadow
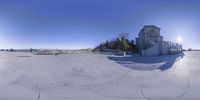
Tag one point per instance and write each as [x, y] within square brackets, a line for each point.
[132, 61]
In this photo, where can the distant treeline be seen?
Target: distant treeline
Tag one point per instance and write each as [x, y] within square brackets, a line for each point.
[120, 43]
[190, 49]
[18, 50]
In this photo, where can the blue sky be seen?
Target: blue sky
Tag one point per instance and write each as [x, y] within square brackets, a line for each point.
[71, 24]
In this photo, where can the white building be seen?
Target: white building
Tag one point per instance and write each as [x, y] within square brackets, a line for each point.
[150, 42]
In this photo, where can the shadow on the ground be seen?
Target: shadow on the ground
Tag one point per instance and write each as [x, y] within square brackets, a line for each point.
[148, 62]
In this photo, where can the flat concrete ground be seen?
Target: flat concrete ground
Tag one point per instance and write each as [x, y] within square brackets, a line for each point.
[24, 76]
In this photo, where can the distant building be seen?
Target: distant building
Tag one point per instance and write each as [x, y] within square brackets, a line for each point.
[150, 42]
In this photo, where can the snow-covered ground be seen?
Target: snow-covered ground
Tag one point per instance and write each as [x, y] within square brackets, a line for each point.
[24, 76]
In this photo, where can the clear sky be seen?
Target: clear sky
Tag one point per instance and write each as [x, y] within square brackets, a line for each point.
[71, 24]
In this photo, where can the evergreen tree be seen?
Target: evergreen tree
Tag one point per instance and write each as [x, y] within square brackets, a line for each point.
[106, 45]
[117, 44]
[124, 45]
[11, 50]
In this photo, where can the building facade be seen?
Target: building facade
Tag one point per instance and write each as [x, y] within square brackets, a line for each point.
[150, 42]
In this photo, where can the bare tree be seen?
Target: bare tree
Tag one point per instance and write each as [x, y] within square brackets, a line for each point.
[123, 35]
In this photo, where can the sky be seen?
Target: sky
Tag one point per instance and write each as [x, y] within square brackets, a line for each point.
[75, 24]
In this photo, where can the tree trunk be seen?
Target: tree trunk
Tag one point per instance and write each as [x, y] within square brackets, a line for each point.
[124, 53]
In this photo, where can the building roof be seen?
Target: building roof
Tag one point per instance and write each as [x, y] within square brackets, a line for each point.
[151, 26]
